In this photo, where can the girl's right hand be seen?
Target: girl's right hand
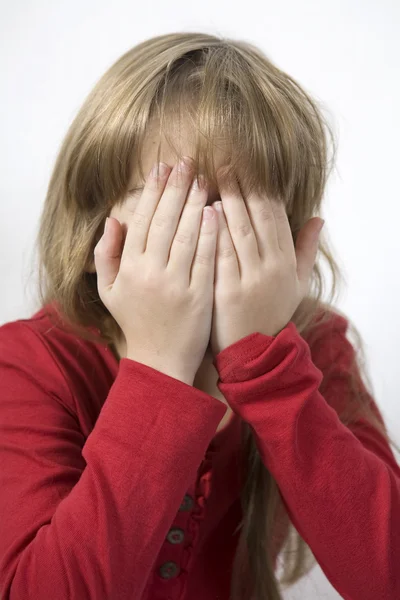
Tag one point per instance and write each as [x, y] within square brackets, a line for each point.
[159, 286]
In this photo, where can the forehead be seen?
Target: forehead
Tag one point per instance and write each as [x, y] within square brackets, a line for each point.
[183, 139]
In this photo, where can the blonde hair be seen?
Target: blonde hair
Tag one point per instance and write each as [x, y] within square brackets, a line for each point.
[234, 98]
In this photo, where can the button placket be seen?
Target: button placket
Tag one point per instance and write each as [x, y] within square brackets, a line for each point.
[187, 503]
[169, 570]
[176, 535]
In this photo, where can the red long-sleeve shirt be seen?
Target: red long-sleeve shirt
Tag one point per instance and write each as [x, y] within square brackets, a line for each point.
[115, 485]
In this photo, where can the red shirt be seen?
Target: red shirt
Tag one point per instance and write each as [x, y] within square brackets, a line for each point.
[115, 485]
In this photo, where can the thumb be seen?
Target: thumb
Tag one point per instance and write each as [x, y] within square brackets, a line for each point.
[307, 248]
[107, 253]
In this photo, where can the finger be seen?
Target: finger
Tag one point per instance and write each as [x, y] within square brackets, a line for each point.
[107, 254]
[186, 237]
[271, 225]
[203, 268]
[139, 222]
[307, 248]
[262, 218]
[283, 230]
[168, 212]
[238, 221]
[226, 264]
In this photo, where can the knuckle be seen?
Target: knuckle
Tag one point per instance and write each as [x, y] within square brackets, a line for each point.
[265, 214]
[280, 216]
[230, 296]
[184, 237]
[150, 280]
[226, 252]
[276, 267]
[140, 219]
[125, 271]
[195, 300]
[208, 232]
[176, 293]
[281, 219]
[243, 229]
[162, 219]
[202, 259]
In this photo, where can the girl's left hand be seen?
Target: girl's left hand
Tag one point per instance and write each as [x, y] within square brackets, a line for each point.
[260, 278]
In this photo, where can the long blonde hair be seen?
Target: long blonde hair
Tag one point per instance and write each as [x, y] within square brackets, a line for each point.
[233, 98]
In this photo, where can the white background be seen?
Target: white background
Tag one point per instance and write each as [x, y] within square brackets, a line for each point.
[346, 53]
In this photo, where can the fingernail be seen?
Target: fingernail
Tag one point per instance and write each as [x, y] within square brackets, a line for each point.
[159, 169]
[208, 214]
[184, 165]
[106, 226]
[218, 206]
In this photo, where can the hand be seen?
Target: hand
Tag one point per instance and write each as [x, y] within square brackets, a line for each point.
[158, 285]
[260, 278]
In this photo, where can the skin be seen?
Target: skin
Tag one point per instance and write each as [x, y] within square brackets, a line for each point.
[207, 376]
[260, 277]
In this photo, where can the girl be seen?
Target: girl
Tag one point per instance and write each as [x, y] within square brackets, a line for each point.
[183, 406]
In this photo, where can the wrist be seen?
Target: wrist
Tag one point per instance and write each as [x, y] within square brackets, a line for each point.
[170, 370]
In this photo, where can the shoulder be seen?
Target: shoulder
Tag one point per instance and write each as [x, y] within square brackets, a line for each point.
[59, 362]
[337, 350]
[328, 333]
[336, 346]
[328, 319]
[24, 349]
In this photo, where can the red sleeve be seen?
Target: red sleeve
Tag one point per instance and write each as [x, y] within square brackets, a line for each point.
[340, 485]
[87, 518]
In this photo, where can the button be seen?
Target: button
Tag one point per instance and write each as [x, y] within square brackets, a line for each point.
[187, 503]
[176, 535]
[168, 570]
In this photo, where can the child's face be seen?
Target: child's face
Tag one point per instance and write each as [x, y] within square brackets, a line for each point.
[124, 210]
